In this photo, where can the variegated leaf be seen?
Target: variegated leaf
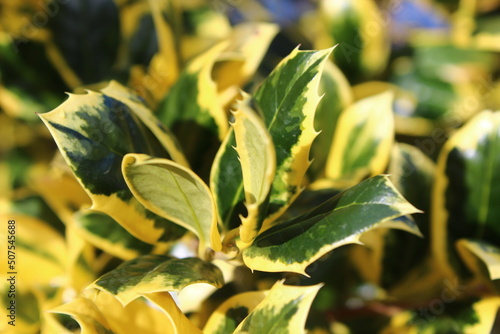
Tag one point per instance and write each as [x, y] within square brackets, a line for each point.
[175, 193]
[161, 132]
[180, 323]
[247, 45]
[391, 254]
[467, 189]
[164, 67]
[287, 101]
[283, 311]
[63, 194]
[294, 244]
[42, 262]
[346, 22]
[81, 258]
[94, 131]
[258, 164]
[101, 313]
[194, 96]
[337, 96]
[105, 233]
[226, 183]
[362, 145]
[474, 251]
[156, 273]
[22, 319]
[231, 313]
[455, 317]
[88, 316]
[381, 249]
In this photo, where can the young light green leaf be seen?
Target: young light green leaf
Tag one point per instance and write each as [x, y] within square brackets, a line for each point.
[93, 132]
[258, 164]
[466, 190]
[175, 193]
[472, 250]
[362, 145]
[156, 273]
[231, 313]
[283, 311]
[339, 221]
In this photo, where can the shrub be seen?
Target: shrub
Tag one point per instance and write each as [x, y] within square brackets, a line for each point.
[212, 176]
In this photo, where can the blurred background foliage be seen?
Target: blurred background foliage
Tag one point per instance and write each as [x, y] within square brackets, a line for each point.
[440, 59]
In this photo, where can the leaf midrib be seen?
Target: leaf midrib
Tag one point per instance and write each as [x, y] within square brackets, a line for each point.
[191, 209]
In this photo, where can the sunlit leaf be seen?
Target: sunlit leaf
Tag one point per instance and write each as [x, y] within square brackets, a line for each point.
[63, 194]
[287, 101]
[337, 96]
[283, 310]
[226, 182]
[455, 317]
[194, 96]
[382, 247]
[476, 31]
[156, 273]
[17, 319]
[258, 164]
[39, 262]
[94, 132]
[175, 193]
[247, 45]
[362, 145]
[23, 91]
[391, 253]
[339, 221]
[164, 66]
[101, 313]
[178, 320]
[162, 133]
[231, 313]
[363, 44]
[473, 250]
[105, 233]
[467, 188]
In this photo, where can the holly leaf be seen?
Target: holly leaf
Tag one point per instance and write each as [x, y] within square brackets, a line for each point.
[284, 310]
[94, 132]
[175, 193]
[294, 244]
[257, 156]
[156, 273]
